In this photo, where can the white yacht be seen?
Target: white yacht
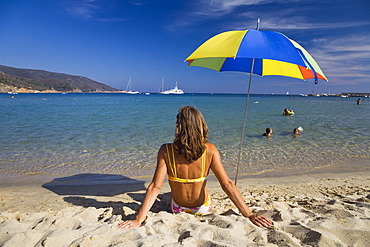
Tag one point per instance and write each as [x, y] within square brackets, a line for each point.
[175, 90]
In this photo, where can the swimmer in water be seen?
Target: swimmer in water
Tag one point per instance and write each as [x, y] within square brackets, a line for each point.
[296, 131]
[268, 132]
[288, 112]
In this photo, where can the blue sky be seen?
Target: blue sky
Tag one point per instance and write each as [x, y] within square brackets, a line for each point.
[112, 40]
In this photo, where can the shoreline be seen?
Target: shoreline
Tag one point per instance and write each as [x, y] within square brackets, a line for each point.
[13, 180]
[331, 209]
[340, 95]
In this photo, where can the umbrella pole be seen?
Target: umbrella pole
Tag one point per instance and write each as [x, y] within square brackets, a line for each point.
[245, 112]
[244, 121]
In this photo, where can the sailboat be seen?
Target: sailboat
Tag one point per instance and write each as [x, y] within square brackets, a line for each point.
[175, 90]
[161, 88]
[128, 88]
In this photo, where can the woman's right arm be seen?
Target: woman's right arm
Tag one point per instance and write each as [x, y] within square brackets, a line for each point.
[151, 193]
[232, 191]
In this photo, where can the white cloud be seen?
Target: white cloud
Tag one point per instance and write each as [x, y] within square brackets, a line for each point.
[229, 5]
[344, 58]
[298, 23]
[243, 14]
[216, 8]
[85, 9]
[91, 10]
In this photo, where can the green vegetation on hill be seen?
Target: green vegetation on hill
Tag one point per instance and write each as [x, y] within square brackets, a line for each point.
[44, 80]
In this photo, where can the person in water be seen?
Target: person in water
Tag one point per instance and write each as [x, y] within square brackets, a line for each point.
[268, 132]
[187, 162]
[296, 131]
[288, 112]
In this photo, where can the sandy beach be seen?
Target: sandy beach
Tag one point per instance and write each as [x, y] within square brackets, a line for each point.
[309, 210]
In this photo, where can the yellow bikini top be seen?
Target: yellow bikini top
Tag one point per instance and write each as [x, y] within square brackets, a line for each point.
[172, 165]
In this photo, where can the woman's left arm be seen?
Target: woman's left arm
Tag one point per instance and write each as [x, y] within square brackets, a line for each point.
[152, 192]
[233, 193]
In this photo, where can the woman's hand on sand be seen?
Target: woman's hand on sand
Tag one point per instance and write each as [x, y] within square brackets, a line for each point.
[260, 220]
[129, 224]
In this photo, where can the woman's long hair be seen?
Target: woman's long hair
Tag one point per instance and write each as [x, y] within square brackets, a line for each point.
[191, 133]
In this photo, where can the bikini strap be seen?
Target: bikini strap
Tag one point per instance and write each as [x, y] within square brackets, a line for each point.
[204, 159]
[172, 167]
[174, 160]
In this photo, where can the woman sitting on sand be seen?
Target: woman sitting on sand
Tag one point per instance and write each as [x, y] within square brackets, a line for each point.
[187, 162]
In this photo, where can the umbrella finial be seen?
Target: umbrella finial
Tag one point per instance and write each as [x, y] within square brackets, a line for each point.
[258, 23]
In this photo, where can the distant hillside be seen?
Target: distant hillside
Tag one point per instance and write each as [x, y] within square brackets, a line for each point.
[30, 80]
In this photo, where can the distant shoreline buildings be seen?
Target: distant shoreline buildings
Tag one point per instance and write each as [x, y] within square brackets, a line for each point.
[344, 95]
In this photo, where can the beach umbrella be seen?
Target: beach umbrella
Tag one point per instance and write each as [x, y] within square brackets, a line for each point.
[256, 52]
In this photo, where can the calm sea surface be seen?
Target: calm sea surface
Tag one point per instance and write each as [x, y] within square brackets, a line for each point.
[55, 135]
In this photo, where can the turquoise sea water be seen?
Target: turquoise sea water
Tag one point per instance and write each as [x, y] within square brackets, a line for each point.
[55, 135]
